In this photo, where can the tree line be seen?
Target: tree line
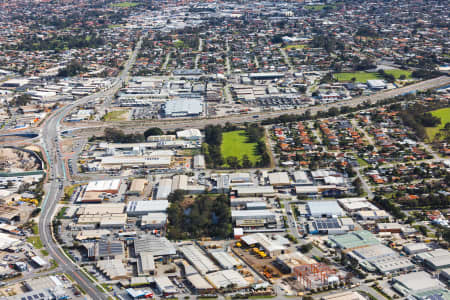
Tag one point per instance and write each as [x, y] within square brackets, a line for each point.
[206, 216]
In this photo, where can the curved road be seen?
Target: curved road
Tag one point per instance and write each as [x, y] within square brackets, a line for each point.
[50, 132]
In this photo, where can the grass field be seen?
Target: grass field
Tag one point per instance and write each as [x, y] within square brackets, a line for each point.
[117, 115]
[359, 76]
[397, 73]
[234, 143]
[35, 241]
[125, 4]
[444, 115]
[364, 76]
[315, 7]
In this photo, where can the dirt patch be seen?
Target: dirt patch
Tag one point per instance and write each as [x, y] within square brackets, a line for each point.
[13, 160]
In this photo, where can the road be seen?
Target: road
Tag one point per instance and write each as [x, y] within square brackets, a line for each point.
[172, 124]
[50, 132]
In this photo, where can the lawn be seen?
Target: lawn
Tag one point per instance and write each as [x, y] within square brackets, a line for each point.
[364, 76]
[359, 76]
[234, 143]
[116, 115]
[314, 7]
[397, 73]
[444, 115]
[35, 241]
[125, 4]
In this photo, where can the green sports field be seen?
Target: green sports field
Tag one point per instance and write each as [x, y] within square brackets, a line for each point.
[359, 76]
[234, 143]
[444, 115]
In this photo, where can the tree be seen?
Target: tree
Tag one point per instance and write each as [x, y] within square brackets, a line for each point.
[246, 163]
[152, 132]
[305, 248]
[233, 162]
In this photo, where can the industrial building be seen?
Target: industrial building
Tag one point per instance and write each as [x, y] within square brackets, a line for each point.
[198, 259]
[279, 179]
[381, 258]
[415, 248]
[352, 240]
[271, 247]
[199, 162]
[109, 249]
[183, 108]
[287, 262]
[164, 189]
[145, 264]
[225, 260]
[257, 191]
[165, 286]
[301, 178]
[226, 278]
[253, 218]
[419, 285]
[113, 269]
[137, 186]
[154, 221]
[104, 186]
[324, 209]
[144, 207]
[438, 259]
[157, 246]
[199, 284]
[331, 225]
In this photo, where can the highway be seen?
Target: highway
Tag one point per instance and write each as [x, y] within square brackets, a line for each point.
[50, 136]
[171, 124]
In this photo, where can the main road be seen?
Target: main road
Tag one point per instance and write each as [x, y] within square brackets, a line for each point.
[50, 136]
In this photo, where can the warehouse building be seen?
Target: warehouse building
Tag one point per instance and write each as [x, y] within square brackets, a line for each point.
[419, 284]
[190, 134]
[199, 162]
[381, 258]
[107, 249]
[145, 264]
[104, 186]
[415, 248]
[154, 221]
[119, 162]
[164, 189]
[331, 226]
[389, 227]
[253, 218]
[101, 209]
[199, 284]
[352, 240]
[353, 205]
[287, 262]
[372, 215]
[113, 269]
[165, 286]
[198, 259]
[137, 186]
[181, 182]
[271, 247]
[157, 246]
[301, 178]
[144, 207]
[183, 108]
[279, 179]
[225, 259]
[104, 220]
[226, 278]
[435, 260]
[257, 191]
[324, 209]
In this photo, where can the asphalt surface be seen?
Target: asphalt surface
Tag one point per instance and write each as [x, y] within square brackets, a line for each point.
[50, 137]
